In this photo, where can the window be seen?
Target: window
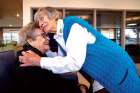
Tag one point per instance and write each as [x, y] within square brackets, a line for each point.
[109, 24]
[10, 35]
[132, 35]
[132, 28]
[84, 14]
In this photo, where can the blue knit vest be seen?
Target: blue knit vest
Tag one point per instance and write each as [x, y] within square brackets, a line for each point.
[106, 61]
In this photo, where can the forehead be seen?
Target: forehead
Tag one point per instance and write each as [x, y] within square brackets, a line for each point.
[42, 14]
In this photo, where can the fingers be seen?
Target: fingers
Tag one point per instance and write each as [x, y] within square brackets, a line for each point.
[25, 65]
[29, 58]
[26, 54]
[25, 62]
[25, 58]
[22, 59]
[29, 53]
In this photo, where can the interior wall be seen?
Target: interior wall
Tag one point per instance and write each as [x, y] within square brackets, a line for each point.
[1, 35]
[8, 13]
[99, 4]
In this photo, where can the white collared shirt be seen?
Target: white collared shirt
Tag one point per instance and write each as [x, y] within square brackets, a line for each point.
[75, 48]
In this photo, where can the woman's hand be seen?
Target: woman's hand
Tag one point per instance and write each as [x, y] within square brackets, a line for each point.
[29, 58]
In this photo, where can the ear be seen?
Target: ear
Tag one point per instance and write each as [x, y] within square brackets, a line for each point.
[30, 41]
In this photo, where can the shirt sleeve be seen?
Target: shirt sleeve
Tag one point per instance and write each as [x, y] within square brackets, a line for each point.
[49, 53]
[76, 52]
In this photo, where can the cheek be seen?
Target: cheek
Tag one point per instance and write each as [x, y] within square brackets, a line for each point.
[49, 27]
[41, 42]
[46, 47]
[40, 24]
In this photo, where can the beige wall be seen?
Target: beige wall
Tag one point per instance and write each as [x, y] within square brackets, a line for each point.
[100, 4]
[8, 11]
[1, 34]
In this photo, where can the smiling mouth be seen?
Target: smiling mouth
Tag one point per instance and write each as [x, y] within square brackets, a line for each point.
[46, 43]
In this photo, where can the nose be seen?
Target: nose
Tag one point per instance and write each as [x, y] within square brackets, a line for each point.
[41, 24]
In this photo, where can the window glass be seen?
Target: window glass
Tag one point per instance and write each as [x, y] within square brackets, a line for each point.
[10, 35]
[132, 35]
[109, 24]
[84, 14]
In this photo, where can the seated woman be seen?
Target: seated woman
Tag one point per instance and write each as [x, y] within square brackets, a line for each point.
[34, 79]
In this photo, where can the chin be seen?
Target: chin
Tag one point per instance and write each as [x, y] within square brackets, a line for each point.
[44, 50]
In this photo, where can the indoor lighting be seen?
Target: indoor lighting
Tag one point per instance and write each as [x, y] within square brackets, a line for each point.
[132, 24]
[17, 15]
[133, 18]
[10, 25]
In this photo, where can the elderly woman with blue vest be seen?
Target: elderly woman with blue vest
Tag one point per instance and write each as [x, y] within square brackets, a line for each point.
[84, 48]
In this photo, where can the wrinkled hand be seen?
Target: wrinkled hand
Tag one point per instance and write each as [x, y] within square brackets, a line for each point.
[29, 58]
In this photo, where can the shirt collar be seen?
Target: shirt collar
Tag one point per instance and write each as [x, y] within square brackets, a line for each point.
[60, 26]
[59, 33]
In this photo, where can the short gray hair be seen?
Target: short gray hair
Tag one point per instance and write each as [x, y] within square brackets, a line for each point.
[27, 32]
[51, 12]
